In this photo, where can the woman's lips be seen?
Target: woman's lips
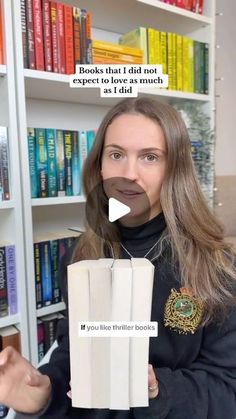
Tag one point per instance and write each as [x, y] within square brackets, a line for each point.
[129, 193]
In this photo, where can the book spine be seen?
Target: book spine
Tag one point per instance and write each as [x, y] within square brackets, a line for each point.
[170, 60]
[32, 162]
[55, 265]
[38, 282]
[179, 63]
[174, 40]
[68, 161]
[4, 163]
[47, 35]
[83, 44]
[41, 340]
[61, 39]
[45, 267]
[191, 66]
[11, 279]
[51, 161]
[30, 32]
[69, 39]
[24, 32]
[197, 66]
[54, 36]
[41, 162]
[83, 152]
[75, 164]
[185, 64]
[3, 283]
[49, 332]
[89, 58]
[200, 8]
[206, 68]
[151, 45]
[60, 156]
[115, 57]
[90, 139]
[163, 36]
[77, 35]
[38, 35]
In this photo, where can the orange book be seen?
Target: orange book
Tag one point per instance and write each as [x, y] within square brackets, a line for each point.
[69, 39]
[2, 60]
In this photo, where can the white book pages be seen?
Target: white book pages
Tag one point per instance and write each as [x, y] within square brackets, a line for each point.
[119, 346]
[142, 286]
[100, 310]
[80, 347]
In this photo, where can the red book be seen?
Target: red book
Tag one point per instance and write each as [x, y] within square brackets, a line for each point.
[61, 39]
[30, 33]
[200, 7]
[38, 35]
[77, 35]
[194, 5]
[89, 38]
[54, 37]
[47, 36]
[69, 39]
[180, 3]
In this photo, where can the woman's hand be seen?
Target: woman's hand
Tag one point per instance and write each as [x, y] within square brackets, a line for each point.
[153, 388]
[22, 387]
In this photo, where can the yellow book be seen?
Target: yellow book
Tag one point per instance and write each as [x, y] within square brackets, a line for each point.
[185, 65]
[126, 58]
[191, 65]
[151, 45]
[121, 49]
[179, 61]
[136, 38]
[170, 60]
[157, 47]
[174, 35]
[163, 40]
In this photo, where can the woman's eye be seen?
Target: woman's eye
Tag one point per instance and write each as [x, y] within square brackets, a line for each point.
[151, 157]
[115, 156]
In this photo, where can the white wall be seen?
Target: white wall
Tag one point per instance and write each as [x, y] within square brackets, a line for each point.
[226, 103]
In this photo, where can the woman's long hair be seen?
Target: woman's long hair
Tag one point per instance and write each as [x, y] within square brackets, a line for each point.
[196, 238]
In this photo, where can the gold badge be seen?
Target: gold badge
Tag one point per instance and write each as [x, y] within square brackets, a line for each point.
[183, 312]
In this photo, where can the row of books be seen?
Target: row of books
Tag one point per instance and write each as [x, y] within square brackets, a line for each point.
[4, 165]
[183, 59]
[55, 36]
[56, 159]
[48, 252]
[46, 330]
[195, 6]
[2, 60]
[9, 336]
[8, 280]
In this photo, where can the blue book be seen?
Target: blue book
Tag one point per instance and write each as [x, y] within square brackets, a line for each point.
[90, 139]
[52, 161]
[32, 162]
[68, 161]
[83, 153]
[60, 157]
[75, 164]
[41, 162]
[46, 272]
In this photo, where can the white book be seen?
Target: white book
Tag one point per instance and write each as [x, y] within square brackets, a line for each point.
[119, 347]
[142, 287]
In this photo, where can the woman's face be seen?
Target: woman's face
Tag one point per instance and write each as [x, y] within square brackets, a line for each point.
[135, 151]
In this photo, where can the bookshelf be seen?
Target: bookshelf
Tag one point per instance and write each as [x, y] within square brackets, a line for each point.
[11, 214]
[45, 100]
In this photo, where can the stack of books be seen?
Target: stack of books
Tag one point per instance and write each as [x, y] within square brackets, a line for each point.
[195, 6]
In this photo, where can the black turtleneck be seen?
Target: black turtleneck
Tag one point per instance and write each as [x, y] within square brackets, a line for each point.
[138, 240]
[196, 371]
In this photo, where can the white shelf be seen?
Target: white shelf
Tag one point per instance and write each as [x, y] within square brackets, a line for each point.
[7, 204]
[3, 70]
[45, 85]
[9, 320]
[53, 308]
[40, 202]
[124, 15]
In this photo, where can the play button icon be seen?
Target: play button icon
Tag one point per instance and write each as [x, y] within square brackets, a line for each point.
[116, 209]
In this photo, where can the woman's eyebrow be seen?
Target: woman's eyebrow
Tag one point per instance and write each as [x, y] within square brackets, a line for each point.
[142, 150]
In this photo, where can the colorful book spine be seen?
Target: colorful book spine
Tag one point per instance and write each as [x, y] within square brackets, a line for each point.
[163, 38]
[69, 39]
[24, 32]
[38, 282]
[174, 46]
[75, 164]
[41, 162]
[54, 37]
[32, 162]
[60, 156]
[3, 283]
[83, 151]
[90, 139]
[4, 164]
[30, 32]
[46, 273]
[206, 68]
[170, 60]
[41, 339]
[11, 279]
[179, 62]
[56, 292]
[47, 34]
[89, 58]
[83, 43]
[38, 35]
[77, 35]
[51, 161]
[68, 161]
[61, 39]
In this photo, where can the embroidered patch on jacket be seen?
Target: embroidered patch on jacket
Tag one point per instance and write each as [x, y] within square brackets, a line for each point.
[183, 312]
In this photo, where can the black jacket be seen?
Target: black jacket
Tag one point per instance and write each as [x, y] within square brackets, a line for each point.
[196, 372]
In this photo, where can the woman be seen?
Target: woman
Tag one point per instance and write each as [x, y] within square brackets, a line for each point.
[192, 372]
